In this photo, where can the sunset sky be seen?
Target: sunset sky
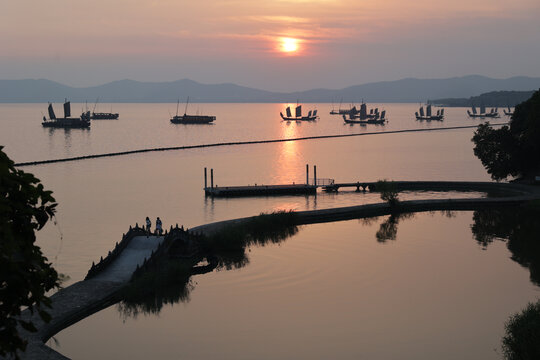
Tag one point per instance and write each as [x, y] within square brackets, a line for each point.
[281, 45]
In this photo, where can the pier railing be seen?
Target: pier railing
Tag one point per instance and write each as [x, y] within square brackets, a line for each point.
[322, 181]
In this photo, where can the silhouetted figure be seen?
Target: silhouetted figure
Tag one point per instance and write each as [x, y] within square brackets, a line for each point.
[148, 225]
[159, 229]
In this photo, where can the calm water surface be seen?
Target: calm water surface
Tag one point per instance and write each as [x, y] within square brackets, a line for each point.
[344, 282]
[333, 291]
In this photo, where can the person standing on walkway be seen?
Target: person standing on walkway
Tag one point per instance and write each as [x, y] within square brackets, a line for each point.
[148, 226]
[159, 229]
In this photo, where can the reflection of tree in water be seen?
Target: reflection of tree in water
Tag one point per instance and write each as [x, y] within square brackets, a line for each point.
[388, 228]
[169, 282]
[519, 227]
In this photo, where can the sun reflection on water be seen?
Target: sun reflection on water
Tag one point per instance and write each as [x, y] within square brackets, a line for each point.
[289, 165]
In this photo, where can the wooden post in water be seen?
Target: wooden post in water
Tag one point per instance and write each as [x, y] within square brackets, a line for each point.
[315, 175]
[205, 179]
[307, 174]
[212, 178]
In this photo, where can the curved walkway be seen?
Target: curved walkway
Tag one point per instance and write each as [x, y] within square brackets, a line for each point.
[84, 298]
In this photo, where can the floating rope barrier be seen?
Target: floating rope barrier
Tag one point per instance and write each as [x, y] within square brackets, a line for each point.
[232, 143]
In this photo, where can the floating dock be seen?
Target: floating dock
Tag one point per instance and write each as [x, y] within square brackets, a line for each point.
[260, 190]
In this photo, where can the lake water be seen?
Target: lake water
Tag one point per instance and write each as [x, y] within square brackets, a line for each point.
[255, 312]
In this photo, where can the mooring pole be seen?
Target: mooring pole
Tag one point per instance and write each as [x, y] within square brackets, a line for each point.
[205, 179]
[315, 175]
[212, 178]
[307, 174]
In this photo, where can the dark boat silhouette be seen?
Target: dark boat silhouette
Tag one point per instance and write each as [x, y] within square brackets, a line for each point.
[428, 115]
[509, 112]
[103, 115]
[379, 119]
[67, 121]
[353, 110]
[311, 116]
[365, 117]
[191, 119]
[483, 114]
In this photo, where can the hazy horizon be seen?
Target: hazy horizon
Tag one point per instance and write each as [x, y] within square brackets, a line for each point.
[232, 82]
[282, 45]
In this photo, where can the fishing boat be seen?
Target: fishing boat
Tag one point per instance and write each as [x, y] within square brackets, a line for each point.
[509, 112]
[483, 113]
[377, 118]
[428, 114]
[353, 110]
[191, 119]
[365, 117]
[311, 116]
[67, 121]
[103, 115]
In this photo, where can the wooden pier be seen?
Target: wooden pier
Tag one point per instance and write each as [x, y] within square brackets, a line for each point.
[263, 190]
[329, 185]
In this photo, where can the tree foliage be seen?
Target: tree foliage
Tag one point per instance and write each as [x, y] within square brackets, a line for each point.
[388, 191]
[512, 150]
[521, 341]
[25, 274]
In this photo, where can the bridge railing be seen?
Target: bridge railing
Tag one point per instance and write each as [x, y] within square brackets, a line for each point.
[322, 182]
[112, 255]
[175, 235]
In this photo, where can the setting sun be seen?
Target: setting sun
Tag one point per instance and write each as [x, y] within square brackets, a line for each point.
[289, 45]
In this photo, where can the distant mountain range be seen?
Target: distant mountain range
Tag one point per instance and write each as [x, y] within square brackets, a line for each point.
[493, 98]
[405, 90]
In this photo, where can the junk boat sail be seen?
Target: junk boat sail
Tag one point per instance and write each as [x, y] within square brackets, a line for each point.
[66, 122]
[509, 112]
[312, 114]
[191, 119]
[353, 110]
[428, 115]
[483, 114]
[363, 117]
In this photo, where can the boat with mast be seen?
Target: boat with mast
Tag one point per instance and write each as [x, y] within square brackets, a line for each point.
[311, 116]
[380, 118]
[483, 114]
[67, 121]
[103, 115]
[510, 112]
[353, 110]
[428, 115]
[365, 117]
[191, 119]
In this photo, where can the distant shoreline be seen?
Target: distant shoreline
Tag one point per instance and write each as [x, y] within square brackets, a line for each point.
[409, 90]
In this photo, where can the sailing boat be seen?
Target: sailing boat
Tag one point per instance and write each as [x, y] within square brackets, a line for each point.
[312, 114]
[103, 115]
[67, 121]
[483, 114]
[509, 112]
[191, 119]
[363, 117]
[341, 111]
[428, 115]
